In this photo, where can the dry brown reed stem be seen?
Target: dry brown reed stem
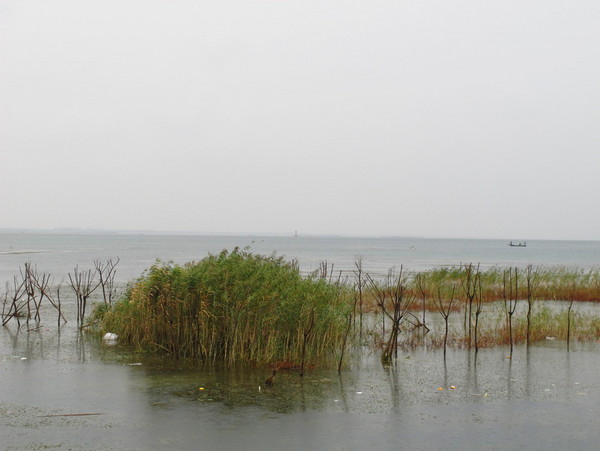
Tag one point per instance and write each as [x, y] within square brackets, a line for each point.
[395, 289]
[443, 303]
[106, 273]
[83, 285]
[358, 272]
[478, 308]
[532, 280]
[307, 330]
[469, 284]
[16, 304]
[29, 290]
[569, 324]
[344, 344]
[27, 295]
[420, 286]
[511, 295]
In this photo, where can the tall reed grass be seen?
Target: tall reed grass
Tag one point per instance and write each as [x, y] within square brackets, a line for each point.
[230, 308]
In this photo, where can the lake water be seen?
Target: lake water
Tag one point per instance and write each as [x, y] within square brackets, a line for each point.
[59, 253]
[542, 398]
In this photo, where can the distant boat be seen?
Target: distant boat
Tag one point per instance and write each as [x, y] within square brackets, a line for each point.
[523, 244]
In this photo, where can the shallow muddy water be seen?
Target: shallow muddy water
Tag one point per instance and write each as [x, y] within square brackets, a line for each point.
[542, 398]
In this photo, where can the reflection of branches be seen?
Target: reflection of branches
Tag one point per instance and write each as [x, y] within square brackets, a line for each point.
[392, 375]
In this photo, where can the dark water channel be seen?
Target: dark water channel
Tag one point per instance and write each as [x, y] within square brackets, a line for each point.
[544, 398]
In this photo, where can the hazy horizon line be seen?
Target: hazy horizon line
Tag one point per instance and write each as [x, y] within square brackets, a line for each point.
[150, 232]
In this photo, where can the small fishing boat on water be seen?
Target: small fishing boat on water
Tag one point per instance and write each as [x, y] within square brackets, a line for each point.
[523, 244]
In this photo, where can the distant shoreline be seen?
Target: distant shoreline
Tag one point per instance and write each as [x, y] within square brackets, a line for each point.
[125, 232]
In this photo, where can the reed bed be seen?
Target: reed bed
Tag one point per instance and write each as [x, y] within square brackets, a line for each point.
[237, 307]
[557, 283]
[234, 307]
[547, 325]
[465, 307]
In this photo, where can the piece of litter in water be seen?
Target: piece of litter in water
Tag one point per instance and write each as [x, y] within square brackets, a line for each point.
[359, 393]
[201, 388]
[550, 338]
[23, 358]
[110, 339]
[440, 388]
[133, 364]
[453, 387]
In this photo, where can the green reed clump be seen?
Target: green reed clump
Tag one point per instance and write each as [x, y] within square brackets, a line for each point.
[233, 307]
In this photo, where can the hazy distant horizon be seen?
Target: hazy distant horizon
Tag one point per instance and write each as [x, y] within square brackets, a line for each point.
[85, 231]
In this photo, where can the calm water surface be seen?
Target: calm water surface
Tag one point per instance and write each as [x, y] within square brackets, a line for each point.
[59, 253]
[542, 398]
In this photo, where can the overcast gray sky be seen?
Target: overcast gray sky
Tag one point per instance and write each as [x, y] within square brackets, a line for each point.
[431, 118]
